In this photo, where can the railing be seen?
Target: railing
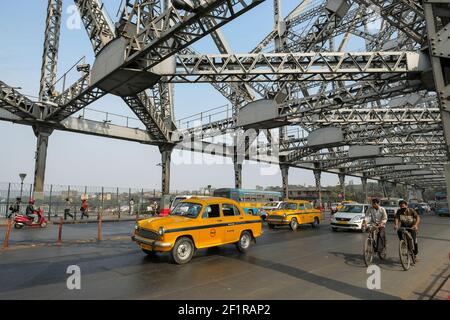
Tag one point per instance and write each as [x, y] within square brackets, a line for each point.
[116, 202]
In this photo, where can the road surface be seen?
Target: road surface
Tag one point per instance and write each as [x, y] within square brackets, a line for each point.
[307, 264]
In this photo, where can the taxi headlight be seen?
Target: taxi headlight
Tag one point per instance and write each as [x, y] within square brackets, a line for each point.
[358, 218]
[284, 215]
[136, 226]
[161, 231]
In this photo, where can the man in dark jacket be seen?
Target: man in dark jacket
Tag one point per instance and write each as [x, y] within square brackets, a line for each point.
[407, 218]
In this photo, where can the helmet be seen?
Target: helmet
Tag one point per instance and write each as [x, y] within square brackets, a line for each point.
[31, 201]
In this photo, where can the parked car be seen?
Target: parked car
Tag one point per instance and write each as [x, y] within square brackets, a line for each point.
[350, 217]
[270, 206]
[293, 213]
[197, 223]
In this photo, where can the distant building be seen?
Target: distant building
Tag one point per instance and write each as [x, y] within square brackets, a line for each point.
[308, 193]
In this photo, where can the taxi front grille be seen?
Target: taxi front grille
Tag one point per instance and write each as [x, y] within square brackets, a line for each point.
[275, 217]
[147, 234]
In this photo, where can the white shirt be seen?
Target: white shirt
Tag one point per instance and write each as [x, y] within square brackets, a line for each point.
[376, 216]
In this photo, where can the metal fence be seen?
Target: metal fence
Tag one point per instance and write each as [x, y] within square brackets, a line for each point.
[109, 201]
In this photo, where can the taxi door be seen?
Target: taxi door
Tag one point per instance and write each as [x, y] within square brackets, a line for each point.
[211, 228]
[309, 215]
[233, 218]
[302, 216]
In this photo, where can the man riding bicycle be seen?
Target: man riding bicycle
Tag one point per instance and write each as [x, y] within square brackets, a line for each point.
[377, 215]
[408, 218]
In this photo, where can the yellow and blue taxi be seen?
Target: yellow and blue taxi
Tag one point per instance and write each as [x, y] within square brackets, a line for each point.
[198, 223]
[293, 213]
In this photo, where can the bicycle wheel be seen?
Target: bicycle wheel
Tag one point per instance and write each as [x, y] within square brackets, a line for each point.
[405, 258]
[368, 252]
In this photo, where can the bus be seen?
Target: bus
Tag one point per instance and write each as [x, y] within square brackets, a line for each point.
[441, 204]
[250, 200]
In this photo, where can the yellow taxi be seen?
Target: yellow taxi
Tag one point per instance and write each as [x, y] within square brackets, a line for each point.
[197, 223]
[293, 213]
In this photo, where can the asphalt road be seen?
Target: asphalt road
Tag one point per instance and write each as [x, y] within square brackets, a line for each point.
[307, 264]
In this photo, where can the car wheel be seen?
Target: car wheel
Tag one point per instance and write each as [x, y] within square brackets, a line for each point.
[250, 212]
[316, 223]
[244, 242]
[293, 224]
[334, 229]
[183, 250]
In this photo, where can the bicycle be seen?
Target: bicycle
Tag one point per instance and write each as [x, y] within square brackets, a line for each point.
[371, 245]
[406, 248]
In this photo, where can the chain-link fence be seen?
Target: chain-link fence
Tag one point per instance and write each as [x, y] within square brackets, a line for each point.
[65, 201]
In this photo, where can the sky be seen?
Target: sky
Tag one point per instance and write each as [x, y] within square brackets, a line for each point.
[87, 160]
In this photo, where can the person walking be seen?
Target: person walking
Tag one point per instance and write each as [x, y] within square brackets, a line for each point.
[14, 208]
[67, 208]
[131, 207]
[84, 209]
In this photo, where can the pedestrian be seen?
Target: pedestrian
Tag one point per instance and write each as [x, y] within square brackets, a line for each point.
[84, 209]
[67, 210]
[14, 208]
[131, 207]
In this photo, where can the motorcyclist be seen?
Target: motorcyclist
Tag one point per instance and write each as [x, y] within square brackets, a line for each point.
[30, 212]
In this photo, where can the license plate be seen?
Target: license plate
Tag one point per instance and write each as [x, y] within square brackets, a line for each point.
[342, 222]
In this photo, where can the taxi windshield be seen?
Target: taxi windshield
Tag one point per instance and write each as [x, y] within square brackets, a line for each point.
[186, 209]
[271, 204]
[351, 208]
[288, 206]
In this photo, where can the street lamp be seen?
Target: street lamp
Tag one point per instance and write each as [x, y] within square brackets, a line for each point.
[22, 177]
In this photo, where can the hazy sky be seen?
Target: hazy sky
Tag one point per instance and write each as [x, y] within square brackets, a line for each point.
[86, 160]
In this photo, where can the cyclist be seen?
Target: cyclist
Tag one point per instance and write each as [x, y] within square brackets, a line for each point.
[408, 218]
[377, 215]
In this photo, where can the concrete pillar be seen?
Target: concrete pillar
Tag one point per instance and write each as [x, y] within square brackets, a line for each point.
[364, 187]
[237, 174]
[317, 178]
[342, 184]
[447, 178]
[42, 134]
[382, 183]
[166, 155]
[285, 180]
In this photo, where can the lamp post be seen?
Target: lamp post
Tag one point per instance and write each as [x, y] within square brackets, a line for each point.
[22, 177]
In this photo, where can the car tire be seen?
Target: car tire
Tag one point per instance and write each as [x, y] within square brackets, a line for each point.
[293, 224]
[334, 229]
[316, 223]
[250, 212]
[183, 250]
[244, 242]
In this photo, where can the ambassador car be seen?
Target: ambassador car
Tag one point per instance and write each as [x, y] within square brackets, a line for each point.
[293, 213]
[349, 217]
[198, 223]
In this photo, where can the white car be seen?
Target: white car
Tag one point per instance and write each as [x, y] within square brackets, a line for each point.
[349, 217]
[274, 205]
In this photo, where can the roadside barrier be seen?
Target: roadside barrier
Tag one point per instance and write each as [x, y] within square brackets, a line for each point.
[61, 222]
[99, 231]
[8, 231]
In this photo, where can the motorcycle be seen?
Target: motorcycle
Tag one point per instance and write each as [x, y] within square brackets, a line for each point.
[21, 221]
